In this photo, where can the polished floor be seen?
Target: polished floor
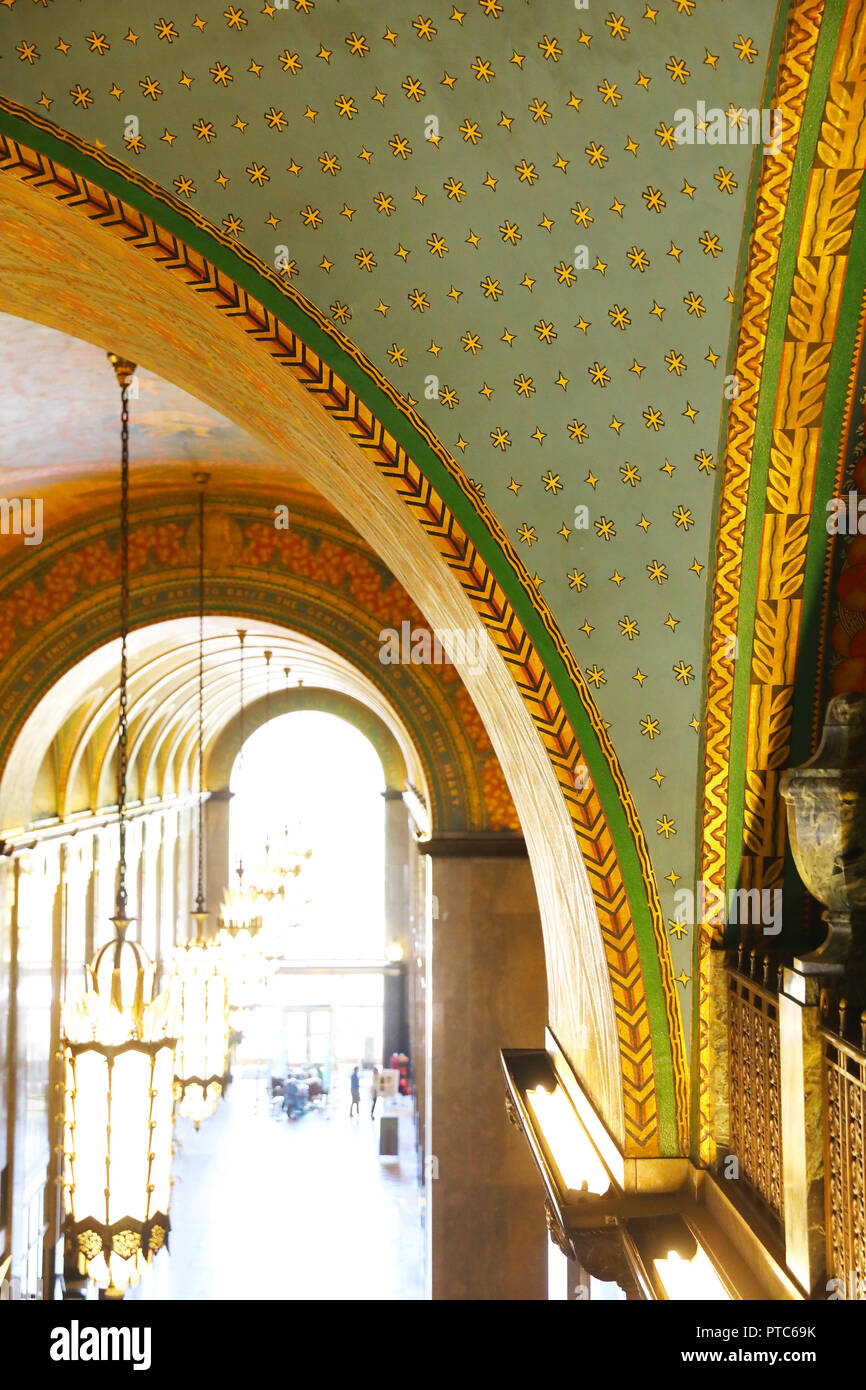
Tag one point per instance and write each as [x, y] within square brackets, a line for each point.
[267, 1208]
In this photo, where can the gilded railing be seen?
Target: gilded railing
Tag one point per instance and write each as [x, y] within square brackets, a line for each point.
[844, 1147]
[754, 1077]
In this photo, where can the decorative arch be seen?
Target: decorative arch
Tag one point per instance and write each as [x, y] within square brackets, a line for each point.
[69, 584]
[222, 753]
[796, 353]
[614, 999]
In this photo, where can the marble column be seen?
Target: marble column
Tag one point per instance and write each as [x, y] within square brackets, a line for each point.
[802, 1127]
[396, 869]
[487, 991]
[397, 914]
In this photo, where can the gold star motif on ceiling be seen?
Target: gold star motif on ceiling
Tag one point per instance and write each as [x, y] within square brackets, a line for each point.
[545, 107]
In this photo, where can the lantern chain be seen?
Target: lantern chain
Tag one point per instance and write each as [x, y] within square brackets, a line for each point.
[241, 638]
[123, 371]
[201, 478]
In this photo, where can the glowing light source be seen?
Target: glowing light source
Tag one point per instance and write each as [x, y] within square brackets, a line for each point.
[199, 989]
[693, 1279]
[579, 1165]
[394, 952]
[119, 1063]
[199, 986]
[118, 1047]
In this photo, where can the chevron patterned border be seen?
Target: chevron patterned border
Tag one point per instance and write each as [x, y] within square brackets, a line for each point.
[827, 220]
[288, 351]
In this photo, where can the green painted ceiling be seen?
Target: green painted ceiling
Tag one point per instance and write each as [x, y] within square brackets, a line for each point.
[431, 177]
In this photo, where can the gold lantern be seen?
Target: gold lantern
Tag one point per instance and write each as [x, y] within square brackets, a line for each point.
[119, 1063]
[118, 1047]
[199, 986]
[240, 921]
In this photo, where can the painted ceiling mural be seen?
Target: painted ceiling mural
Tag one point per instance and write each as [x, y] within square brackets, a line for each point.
[491, 202]
[72, 448]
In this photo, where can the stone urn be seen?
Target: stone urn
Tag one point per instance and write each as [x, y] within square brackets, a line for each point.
[826, 800]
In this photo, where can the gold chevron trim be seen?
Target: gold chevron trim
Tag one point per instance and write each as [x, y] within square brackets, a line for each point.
[290, 352]
[821, 264]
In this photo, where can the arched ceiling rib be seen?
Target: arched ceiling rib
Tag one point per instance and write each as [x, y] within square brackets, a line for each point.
[78, 716]
[491, 203]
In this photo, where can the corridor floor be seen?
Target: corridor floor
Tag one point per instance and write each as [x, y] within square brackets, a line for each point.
[271, 1209]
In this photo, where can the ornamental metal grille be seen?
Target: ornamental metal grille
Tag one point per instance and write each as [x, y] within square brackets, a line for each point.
[755, 1099]
[845, 1180]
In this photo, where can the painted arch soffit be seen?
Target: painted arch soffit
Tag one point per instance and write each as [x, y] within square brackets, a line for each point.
[57, 606]
[98, 231]
[517, 172]
[797, 343]
[600, 728]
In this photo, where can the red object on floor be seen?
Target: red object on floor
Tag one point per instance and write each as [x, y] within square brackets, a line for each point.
[400, 1062]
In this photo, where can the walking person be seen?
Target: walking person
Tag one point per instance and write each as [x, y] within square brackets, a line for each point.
[374, 1092]
[355, 1083]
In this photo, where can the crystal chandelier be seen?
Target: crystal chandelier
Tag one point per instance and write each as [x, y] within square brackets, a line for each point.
[199, 983]
[118, 1045]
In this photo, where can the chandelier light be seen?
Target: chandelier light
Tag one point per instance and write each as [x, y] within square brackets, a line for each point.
[118, 1046]
[240, 916]
[199, 984]
[268, 887]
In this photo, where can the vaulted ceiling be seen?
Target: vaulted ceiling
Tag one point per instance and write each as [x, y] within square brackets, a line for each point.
[487, 210]
[61, 433]
[430, 182]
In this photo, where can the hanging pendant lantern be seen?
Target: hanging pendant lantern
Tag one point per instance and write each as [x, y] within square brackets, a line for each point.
[199, 984]
[118, 1046]
[240, 918]
[199, 987]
